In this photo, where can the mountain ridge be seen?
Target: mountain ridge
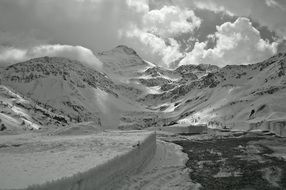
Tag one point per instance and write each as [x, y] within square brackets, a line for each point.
[131, 93]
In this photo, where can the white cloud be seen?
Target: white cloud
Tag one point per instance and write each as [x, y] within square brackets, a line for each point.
[209, 5]
[154, 35]
[270, 13]
[12, 55]
[155, 45]
[237, 43]
[271, 3]
[170, 21]
[138, 5]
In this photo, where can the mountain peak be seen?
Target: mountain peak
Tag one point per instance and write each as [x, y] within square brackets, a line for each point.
[121, 49]
[125, 49]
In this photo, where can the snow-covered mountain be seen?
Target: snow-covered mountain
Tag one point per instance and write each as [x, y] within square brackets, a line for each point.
[122, 62]
[229, 96]
[69, 88]
[129, 92]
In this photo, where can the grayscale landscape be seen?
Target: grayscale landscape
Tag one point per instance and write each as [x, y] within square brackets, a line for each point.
[138, 94]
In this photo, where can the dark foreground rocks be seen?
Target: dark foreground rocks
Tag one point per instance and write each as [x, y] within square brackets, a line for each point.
[244, 162]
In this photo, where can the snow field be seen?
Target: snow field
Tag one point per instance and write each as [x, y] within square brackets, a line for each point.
[125, 154]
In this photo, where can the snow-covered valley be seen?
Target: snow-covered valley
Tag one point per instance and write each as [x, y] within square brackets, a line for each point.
[69, 119]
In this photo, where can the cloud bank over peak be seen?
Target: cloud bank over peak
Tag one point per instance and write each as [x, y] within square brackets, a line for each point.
[11, 55]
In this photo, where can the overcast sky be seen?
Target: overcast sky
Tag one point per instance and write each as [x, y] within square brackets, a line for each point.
[165, 32]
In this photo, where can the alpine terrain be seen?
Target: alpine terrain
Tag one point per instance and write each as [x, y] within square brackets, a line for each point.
[130, 93]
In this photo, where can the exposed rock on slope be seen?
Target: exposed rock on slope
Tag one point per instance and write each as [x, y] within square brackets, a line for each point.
[21, 113]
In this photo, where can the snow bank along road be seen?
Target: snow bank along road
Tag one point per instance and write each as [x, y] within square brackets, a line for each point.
[166, 171]
[34, 161]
